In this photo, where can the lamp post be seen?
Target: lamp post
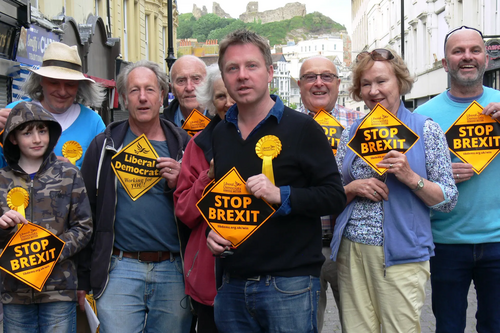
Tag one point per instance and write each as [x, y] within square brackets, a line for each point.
[170, 59]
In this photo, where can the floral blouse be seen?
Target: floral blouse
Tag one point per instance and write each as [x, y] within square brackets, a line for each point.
[366, 222]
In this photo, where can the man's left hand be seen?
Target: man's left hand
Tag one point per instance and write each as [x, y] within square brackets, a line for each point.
[261, 187]
[169, 169]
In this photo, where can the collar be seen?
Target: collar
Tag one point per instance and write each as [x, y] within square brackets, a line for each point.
[467, 100]
[276, 111]
[179, 117]
[336, 109]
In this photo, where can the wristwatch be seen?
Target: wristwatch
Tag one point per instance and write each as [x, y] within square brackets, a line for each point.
[420, 184]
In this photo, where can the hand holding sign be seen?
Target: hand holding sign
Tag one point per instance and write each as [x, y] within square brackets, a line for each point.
[217, 244]
[169, 169]
[462, 172]
[397, 164]
[492, 109]
[12, 218]
[262, 188]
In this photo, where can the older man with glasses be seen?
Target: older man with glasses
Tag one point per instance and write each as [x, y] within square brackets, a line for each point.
[468, 238]
[319, 88]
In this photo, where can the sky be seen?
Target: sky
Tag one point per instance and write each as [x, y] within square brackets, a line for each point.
[337, 10]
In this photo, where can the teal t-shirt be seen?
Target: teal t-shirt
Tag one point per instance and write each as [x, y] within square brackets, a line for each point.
[476, 217]
[148, 223]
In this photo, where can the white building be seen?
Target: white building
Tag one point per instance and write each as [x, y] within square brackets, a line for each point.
[328, 46]
[281, 77]
[377, 24]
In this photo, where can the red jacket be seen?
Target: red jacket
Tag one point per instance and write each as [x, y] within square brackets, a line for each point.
[199, 263]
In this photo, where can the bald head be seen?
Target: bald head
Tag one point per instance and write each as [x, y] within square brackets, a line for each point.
[187, 73]
[318, 94]
[465, 61]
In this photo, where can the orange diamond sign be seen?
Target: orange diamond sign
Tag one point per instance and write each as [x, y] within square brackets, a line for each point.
[31, 254]
[231, 211]
[195, 122]
[333, 129]
[380, 132]
[474, 137]
[135, 167]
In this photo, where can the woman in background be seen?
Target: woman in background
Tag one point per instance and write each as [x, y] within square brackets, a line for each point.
[196, 173]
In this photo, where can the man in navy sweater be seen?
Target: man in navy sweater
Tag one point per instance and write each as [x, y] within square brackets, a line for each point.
[271, 281]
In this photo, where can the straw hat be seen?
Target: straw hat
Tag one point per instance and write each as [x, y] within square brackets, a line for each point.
[61, 61]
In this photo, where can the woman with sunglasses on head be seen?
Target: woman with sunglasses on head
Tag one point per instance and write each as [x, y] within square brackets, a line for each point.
[382, 241]
[196, 173]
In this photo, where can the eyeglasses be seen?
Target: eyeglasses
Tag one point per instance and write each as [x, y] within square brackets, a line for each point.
[376, 55]
[325, 77]
[464, 27]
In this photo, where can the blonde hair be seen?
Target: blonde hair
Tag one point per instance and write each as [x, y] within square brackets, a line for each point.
[405, 80]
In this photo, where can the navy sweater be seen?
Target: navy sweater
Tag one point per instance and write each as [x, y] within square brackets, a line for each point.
[284, 245]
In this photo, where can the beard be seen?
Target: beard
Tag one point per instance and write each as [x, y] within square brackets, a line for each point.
[467, 81]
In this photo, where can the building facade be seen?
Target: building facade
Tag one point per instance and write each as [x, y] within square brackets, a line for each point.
[377, 24]
[14, 16]
[281, 77]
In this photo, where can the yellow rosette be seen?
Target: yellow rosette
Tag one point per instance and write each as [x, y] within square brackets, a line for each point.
[72, 151]
[18, 199]
[268, 148]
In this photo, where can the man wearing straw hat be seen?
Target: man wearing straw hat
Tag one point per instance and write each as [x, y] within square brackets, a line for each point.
[61, 88]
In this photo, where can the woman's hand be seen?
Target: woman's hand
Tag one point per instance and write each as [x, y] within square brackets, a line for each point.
[370, 188]
[397, 164]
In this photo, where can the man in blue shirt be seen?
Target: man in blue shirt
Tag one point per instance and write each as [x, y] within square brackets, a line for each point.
[468, 238]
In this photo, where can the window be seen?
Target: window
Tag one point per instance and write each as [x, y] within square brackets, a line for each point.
[147, 37]
[125, 31]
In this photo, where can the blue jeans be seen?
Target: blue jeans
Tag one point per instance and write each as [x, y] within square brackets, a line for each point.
[452, 270]
[272, 304]
[56, 317]
[139, 290]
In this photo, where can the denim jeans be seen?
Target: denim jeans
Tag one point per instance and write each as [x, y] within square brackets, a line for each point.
[142, 296]
[56, 317]
[272, 304]
[452, 269]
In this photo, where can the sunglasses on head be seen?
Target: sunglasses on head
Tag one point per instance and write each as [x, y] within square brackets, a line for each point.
[376, 55]
[464, 27]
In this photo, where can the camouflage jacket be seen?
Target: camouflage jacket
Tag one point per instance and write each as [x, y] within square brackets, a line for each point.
[57, 201]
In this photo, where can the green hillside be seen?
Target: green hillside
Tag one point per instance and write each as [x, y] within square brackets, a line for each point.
[211, 26]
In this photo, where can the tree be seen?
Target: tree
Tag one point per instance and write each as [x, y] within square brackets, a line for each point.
[185, 29]
[206, 24]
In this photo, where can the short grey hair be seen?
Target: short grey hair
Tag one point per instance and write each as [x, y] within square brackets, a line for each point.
[205, 91]
[89, 93]
[122, 79]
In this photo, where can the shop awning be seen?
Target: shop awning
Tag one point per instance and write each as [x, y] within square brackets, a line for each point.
[103, 82]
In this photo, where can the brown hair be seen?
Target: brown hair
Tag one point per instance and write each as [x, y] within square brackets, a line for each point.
[405, 80]
[243, 36]
[30, 125]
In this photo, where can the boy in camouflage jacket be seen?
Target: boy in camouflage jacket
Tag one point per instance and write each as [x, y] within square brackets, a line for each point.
[58, 202]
